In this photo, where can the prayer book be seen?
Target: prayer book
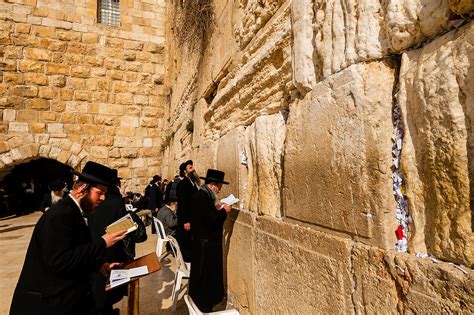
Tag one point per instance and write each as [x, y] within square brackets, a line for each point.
[133, 271]
[121, 276]
[124, 223]
[230, 200]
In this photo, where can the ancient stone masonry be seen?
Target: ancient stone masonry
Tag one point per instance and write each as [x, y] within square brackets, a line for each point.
[303, 104]
[75, 90]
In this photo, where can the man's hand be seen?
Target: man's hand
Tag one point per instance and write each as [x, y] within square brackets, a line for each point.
[111, 239]
[187, 226]
[226, 207]
[105, 268]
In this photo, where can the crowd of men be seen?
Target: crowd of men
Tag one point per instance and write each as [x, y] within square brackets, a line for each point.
[70, 257]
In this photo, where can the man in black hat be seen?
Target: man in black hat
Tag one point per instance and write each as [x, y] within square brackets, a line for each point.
[184, 190]
[55, 278]
[155, 201]
[50, 198]
[206, 283]
[107, 212]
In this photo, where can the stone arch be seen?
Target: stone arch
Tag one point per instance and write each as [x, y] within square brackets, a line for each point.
[62, 150]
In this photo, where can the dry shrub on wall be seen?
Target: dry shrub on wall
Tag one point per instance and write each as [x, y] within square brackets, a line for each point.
[194, 20]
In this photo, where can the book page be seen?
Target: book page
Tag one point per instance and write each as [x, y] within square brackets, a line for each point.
[124, 223]
[230, 200]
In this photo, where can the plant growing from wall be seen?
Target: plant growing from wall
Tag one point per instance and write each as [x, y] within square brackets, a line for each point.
[166, 142]
[194, 20]
[190, 126]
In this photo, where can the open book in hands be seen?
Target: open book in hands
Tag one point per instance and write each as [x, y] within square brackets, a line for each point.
[124, 223]
[230, 200]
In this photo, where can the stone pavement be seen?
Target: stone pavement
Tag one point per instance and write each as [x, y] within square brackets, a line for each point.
[155, 289]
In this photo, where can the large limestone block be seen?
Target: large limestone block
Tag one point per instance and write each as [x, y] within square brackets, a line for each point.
[205, 156]
[402, 283]
[228, 162]
[331, 35]
[239, 262]
[462, 6]
[264, 151]
[436, 98]
[338, 155]
[300, 271]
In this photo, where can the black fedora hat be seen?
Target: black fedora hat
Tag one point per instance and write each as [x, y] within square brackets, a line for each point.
[183, 165]
[214, 176]
[57, 185]
[95, 173]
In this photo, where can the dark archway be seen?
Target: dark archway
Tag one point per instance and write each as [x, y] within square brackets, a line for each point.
[24, 186]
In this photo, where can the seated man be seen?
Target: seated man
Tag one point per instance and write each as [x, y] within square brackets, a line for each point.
[167, 216]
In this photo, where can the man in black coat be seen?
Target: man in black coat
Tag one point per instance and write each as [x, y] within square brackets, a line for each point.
[107, 212]
[54, 195]
[155, 202]
[184, 191]
[206, 282]
[55, 278]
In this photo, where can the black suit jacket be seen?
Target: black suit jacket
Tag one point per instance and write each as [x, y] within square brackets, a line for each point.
[184, 192]
[59, 260]
[156, 198]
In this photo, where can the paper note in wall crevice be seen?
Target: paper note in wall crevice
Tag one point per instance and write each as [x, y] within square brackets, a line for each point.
[230, 200]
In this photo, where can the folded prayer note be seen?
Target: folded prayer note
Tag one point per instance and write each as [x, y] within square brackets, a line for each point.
[124, 223]
[230, 200]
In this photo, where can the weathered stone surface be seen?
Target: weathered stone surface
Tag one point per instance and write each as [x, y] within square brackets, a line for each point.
[346, 32]
[288, 256]
[228, 162]
[400, 283]
[268, 71]
[239, 274]
[436, 98]
[337, 156]
[264, 151]
[461, 6]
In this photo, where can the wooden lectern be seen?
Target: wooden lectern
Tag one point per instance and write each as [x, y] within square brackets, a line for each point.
[151, 261]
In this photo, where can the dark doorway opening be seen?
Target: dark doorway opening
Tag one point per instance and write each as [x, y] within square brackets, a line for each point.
[24, 187]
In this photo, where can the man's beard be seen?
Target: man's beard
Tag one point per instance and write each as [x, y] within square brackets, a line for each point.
[87, 205]
[194, 177]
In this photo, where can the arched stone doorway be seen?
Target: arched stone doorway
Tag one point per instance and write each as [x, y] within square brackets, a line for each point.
[24, 185]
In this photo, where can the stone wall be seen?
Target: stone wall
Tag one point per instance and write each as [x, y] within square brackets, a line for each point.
[74, 90]
[295, 101]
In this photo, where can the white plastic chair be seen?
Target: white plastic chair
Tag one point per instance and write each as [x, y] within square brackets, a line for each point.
[162, 237]
[130, 207]
[194, 310]
[183, 270]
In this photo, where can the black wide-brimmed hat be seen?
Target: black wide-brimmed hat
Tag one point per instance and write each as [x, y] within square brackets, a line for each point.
[183, 165]
[95, 173]
[214, 176]
[57, 185]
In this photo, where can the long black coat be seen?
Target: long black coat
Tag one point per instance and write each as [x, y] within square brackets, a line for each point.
[184, 191]
[156, 198]
[108, 211]
[206, 283]
[58, 263]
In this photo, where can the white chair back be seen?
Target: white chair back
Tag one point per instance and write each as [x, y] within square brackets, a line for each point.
[179, 256]
[162, 238]
[129, 207]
